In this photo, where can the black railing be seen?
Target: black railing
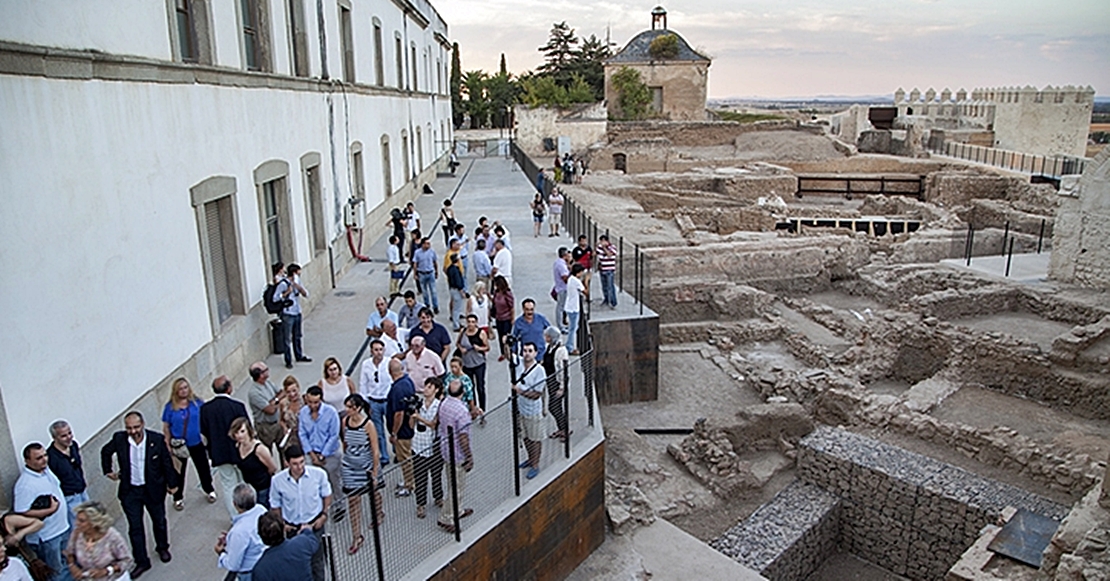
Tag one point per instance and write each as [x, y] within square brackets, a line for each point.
[1049, 166]
[396, 541]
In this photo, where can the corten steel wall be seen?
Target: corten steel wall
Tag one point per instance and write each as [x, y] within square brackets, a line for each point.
[547, 537]
[626, 355]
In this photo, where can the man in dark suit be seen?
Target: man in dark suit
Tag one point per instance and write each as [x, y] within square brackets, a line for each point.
[216, 416]
[145, 475]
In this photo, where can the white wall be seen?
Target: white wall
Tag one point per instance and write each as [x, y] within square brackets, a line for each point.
[89, 24]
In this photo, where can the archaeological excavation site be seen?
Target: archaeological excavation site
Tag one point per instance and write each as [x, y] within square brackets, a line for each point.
[867, 366]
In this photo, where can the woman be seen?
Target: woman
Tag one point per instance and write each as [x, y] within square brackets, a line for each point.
[290, 407]
[181, 428]
[427, 461]
[473, 345]
[555, 206]
[255, 462]
[361, 463]
[96, 549]
[14, 527]
[478, 304]
[335, 385]
[447, 215]
[554, 363]
[504, 311]
[538, 211]
[455, 372]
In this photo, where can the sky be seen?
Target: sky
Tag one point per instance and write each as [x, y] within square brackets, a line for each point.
[807, 48]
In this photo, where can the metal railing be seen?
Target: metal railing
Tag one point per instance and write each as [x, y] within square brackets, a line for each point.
[1053, 166]
[396, 541]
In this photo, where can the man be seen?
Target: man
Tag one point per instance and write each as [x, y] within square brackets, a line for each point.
[145, 475]
[396, 269]
[397, 423]
[575, 295]
[64, 459]
[528, 387]
[35, 480]
[301, 496]
[436, 338]
[318, 428]
[454, 416]
[464, 251]
[502, 233]
[456, 285]
[425, 262]
[381, 313]
[216, 416]
[422, 363]
[502, 261]
[607, 267]
[412, 218]
[407, 314]
[483, 268]
[393, 339]
[529, 326]
[288, 287]
[584, 255]
[285, 560]
[240, 548]
[373, 384]
[560, 271]
[265, 399]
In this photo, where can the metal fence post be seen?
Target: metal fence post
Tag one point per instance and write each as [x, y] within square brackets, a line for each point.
[516, 437]
[329, 549]
[620, 263]
[566, 408]
[454, 483]
[375, 533]
[1010, 257]
[1040, 237]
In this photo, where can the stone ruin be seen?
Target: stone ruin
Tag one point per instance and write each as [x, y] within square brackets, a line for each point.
[997, 386]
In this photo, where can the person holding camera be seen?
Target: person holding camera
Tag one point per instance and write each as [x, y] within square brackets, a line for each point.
[427, 462]
[287, 287]
[401, 399]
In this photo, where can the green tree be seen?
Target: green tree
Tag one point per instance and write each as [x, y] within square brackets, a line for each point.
[457, 109]
[559, 53]
[665, 46]
[504, 69]
[543, 91]
[634, 95]
[502, 92]
[589, 64]
[477, 102]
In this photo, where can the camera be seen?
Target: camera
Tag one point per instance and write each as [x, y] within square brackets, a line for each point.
[411, 404]
[510, 340]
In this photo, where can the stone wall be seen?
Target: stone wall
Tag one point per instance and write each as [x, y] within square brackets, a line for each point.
[908, 513]
[1081, 241]
[683, 82]
[692, 133]
[584, 125]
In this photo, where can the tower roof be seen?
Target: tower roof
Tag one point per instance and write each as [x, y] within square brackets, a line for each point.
[637, 49]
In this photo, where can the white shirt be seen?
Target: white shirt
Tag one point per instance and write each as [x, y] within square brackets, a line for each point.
[503, 264]
[32, 485]
[393, 255]
[370, 388]
[575, 288]
[413, 219]
[394, 346]
[138, 461]
[15, 571]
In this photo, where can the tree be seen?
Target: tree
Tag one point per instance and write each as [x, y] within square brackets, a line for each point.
[504, 69]
[665, 46]
[501, 92]
[477, 102]
[543, 91]
[558, 53]
[589, 64]
[634, 95]
[457, 109]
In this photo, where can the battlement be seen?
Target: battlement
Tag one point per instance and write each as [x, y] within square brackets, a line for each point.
[999, 95]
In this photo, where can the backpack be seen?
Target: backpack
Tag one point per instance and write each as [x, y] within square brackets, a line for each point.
[274, 307]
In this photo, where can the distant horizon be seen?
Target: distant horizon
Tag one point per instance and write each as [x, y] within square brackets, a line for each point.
[838, 98]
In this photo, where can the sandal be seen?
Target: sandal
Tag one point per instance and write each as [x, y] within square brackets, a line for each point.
[356, 546]
[420, 512]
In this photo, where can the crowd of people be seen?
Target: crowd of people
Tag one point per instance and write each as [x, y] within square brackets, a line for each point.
[278, 462]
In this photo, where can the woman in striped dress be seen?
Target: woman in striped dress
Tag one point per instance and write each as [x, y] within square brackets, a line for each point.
[361, 463]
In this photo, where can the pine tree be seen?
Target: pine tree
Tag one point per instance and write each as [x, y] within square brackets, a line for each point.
[504, 69]
[457, 109]
[558, 53]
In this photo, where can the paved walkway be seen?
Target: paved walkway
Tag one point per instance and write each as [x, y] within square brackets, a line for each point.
[492, 187]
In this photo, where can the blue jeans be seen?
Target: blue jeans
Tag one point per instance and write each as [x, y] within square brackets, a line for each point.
[50, 552]
[427, 282]
[608, 288]
[291, 331]
[458, 302]
[377, 416]
[572, 331]
[71, 503]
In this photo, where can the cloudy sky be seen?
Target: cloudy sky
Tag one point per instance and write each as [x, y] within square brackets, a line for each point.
[788, 48]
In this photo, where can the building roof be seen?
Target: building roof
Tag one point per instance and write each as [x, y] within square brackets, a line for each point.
[636, 51]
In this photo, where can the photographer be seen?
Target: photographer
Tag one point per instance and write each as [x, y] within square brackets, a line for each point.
[427, 462]
[399, 406]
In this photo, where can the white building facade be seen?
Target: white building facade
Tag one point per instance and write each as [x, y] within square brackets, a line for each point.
[158, 155]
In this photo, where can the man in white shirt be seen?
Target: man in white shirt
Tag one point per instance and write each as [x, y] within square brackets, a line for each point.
[35, 480]
[503, 261]
[374, 382]
[301, 495]
[394, 338]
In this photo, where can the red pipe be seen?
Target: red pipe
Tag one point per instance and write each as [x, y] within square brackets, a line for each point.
[356, 252]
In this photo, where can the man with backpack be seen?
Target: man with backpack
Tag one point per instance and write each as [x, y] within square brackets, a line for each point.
[284, 294]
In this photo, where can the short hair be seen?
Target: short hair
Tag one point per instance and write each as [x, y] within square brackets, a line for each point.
[604, 237]
[393, 239]
[237, 424]
[243, 496]
[221, 387]
[410, 295]
[134, 414]
[454, 359]
[271, 527]
[563, 251]
[417, 340]
[257, 369]
[499, 241]
[499, 229]
[455, 388]
[472, 316]
[57, 425]
[437, 382]
[425, 240]
[526, 301]
[30, 448]
[293, 268]
[293, 452]
[482, 219]
[582, 237]
[328, 362]
[577, 268]
[377, 342]
[551, 333]
[480, 244]
[96, 514]
[425, 311]
[315, 391]
[459, 226]
[276, 267]
[532, 345]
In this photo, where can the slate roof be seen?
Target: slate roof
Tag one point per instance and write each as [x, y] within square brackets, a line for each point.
[636, 51]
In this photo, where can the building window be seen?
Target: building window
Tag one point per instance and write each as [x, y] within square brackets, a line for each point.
[399, 52]
[189, 31]
[271, 181]
[186, 36]
[405, 163]
[254, 20]
[379, 73]
[346, 41]
[310, 168]
[419, 151]
[413, 66]
[358, 176]
[387, 167]
[214, 202]
[298, 37]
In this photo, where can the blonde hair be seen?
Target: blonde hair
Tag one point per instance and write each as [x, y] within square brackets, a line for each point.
[173, 391]
[96, 513]
[290, 380]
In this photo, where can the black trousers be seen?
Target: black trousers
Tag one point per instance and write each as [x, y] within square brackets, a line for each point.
[428, 467]
[200, 462]
[134, 500]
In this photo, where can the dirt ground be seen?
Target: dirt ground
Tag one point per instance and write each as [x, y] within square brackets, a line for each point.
[1026, 326]
[847, 567]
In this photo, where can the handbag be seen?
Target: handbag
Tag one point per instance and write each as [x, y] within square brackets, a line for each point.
[177, 445]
